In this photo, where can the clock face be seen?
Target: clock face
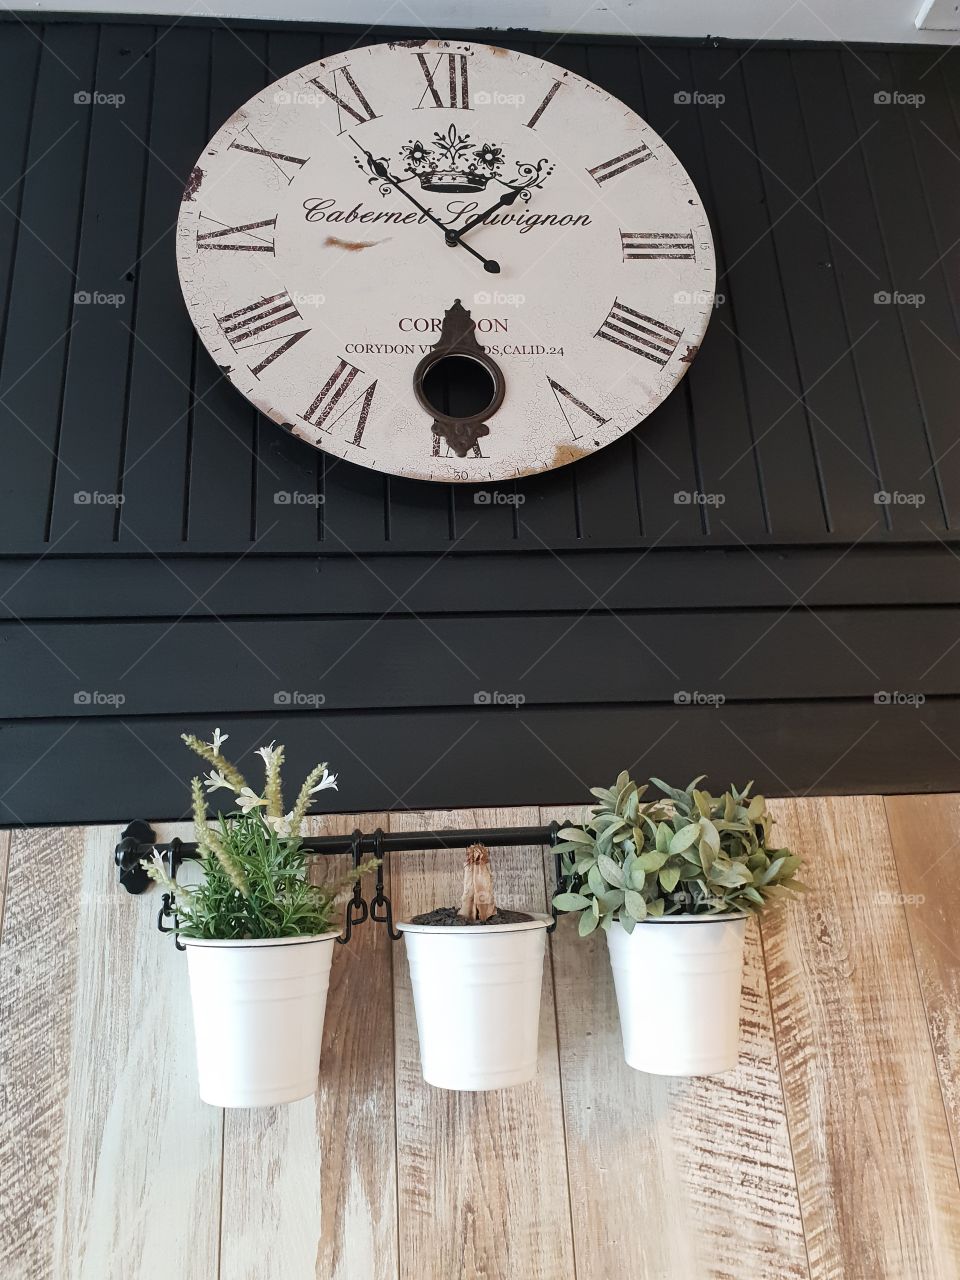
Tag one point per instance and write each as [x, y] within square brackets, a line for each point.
[333, 244]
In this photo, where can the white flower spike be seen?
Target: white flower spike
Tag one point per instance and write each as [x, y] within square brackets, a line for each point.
[215, 780]
[218, 740]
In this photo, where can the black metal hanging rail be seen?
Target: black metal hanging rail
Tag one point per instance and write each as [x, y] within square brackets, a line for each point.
[138, 841]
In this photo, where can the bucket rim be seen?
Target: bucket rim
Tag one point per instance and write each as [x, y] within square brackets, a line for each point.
[687, 918]
[247, 944]
[539, 920]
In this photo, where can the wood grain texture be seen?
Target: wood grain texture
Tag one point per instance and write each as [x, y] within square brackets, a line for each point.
[668, 1153]
[877, 1180]
[38, 960]
[132, 1072]
[309, 1190]
[925, 832]
[844, 1172]
[105, 1142]
[4, 863]
[482, 1177]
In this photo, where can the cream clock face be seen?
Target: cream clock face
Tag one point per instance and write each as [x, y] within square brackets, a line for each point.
[445, 261]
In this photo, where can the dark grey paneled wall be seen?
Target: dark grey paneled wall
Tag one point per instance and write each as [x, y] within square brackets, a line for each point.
[832, 179]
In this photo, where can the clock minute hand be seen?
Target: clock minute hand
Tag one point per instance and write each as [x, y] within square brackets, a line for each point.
[382, 172]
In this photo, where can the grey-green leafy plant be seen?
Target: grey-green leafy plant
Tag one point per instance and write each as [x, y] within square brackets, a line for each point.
[255, 870]
[688, 853]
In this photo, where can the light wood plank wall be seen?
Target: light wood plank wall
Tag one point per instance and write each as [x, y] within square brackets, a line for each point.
[831, 1153]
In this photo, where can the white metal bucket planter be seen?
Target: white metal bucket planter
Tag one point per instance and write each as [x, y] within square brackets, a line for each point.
[678, 985]
[258, 1010]
[476, 990]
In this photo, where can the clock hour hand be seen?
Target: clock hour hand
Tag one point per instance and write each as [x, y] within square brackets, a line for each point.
[453, 237]
[382, 172]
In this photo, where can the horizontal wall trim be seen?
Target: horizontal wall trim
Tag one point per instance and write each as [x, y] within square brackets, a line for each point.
[393, 761]
[142, 668]
[492, 543]
[151, 586]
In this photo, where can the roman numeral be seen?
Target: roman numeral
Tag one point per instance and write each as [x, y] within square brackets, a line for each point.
[243, 328]
[620, 164]
[574, 403]
[359, 111]
[288, 166]
[532, 122]
[640, 334]
[244, 237]
[332, 392]
[456, 93]
[657, 244]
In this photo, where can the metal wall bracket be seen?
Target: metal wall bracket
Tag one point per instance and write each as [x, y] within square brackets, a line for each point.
[357, 910]
[136, 842]
[139, 841]
[381, 912]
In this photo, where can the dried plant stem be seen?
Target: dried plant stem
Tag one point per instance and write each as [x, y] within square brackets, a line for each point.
[478, 901]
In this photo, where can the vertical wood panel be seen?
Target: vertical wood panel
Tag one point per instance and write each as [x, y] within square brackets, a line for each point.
[37, 339]
[131, 1072]
[103, 1141]
[112, 209]
[19, 61]
[912, 253]
[309, 1189]
[935, 137]
[860, 260]
[790, 466]
[482, 1177]
[820, 334]
[154, 479]
[878, 1184]
[38, 962]
[925, 831]
[4, 864]
[670, 1177]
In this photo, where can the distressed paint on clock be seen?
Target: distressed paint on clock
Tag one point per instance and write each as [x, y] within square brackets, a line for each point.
[314, 257]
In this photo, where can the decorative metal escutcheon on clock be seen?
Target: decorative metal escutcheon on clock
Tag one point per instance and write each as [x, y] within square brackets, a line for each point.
[445, 261]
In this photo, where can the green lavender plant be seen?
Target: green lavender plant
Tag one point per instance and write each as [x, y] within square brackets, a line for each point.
[255, 870]
[688, 853]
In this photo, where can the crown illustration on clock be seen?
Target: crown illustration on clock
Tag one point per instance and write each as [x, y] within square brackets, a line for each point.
[452, 163]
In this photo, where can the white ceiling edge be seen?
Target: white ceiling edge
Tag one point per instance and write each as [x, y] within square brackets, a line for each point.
[886, 21]
[939, 15]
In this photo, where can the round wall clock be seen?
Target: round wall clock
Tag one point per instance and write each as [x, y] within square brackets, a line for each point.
[445, 261]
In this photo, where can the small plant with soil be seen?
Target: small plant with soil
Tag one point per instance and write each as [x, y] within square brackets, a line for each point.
[476, 971]
[478, 904]
[672, 883]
